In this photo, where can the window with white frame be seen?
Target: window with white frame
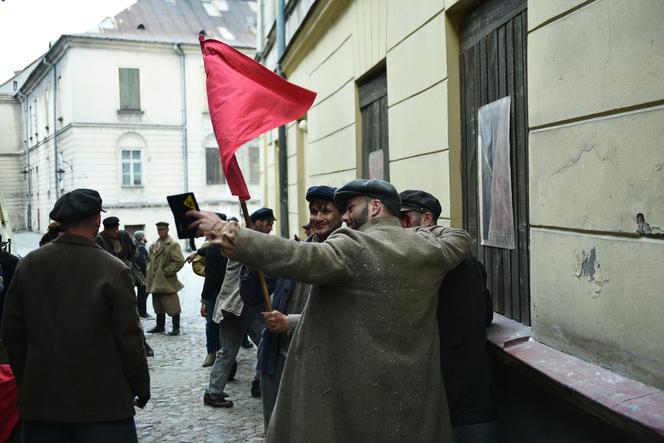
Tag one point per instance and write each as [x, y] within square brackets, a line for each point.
[132, 167]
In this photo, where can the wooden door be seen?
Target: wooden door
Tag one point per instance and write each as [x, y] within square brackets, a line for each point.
[493, 65]
[375, 144]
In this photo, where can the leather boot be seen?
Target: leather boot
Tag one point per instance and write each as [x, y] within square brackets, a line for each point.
[148, 350]
[176, 325]
[161, 324]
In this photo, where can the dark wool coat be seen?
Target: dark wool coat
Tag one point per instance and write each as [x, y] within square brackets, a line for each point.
[364, 363]
[73, 336]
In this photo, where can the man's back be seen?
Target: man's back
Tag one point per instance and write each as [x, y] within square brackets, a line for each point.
[73, 334]
[464, 311]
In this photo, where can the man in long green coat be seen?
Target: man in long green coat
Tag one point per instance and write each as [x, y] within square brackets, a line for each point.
[363, 364]
[164, 262]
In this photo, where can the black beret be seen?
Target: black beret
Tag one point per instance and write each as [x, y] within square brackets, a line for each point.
[322, 192]
[379, 189]
[76, 205]
[262, 214]
[109, 222]
[420, 201]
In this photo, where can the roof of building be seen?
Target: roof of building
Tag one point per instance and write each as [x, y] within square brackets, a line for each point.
[181, 21]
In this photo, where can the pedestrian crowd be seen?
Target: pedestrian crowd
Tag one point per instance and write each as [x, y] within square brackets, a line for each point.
[375, 329]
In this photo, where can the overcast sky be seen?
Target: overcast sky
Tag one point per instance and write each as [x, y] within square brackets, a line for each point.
[27, 26]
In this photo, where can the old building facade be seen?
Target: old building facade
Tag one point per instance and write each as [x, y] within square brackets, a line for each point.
[123, 109]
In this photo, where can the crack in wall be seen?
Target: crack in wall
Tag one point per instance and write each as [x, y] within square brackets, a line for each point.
[574, 161]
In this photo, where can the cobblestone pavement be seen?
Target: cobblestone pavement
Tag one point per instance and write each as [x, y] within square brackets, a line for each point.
[176, 411]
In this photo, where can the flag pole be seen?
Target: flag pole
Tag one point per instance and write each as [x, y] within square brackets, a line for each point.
[261, 276]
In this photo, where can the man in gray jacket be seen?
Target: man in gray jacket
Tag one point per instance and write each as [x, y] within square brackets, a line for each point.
[364, 363]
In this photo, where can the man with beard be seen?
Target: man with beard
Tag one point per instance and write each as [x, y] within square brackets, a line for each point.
[364, 362]
[465, 309]
[288, 300]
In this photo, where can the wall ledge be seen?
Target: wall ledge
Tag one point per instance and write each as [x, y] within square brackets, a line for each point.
[619, 401]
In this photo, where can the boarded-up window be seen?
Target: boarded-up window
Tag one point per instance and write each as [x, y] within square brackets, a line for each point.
[254, 165]
[213, 172]
[132, 167]
[130, 93]
[373, 105]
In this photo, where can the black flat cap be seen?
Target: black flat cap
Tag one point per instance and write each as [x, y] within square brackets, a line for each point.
[379, 189]
[321, 192]
[161, 223]
[262, 214]
[110, 222]
[420, 201]
[76, 205]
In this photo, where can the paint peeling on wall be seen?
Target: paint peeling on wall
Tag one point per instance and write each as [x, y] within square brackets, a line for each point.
[645, 229]
[590, 270]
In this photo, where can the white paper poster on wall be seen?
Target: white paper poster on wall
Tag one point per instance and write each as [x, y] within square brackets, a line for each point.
[494, 175]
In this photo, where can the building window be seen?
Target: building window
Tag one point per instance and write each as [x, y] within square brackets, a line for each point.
[46, 104]
[213, 172]
[132, 167]
[130, 91]
[254, 165]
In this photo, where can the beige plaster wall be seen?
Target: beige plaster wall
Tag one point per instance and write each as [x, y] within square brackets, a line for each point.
[596, 159]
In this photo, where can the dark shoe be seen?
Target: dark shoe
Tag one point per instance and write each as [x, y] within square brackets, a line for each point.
[256, 389]
[148, 350]
[174, 332]
[231, 376]
[209, 360]
[223, 403]
[146, 316]
[176, 325]
[246, 344]
[156, 329]
[161, 324]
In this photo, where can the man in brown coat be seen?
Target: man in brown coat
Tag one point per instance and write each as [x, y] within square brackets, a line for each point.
[72, 333]
[364, 363]
[164, 261]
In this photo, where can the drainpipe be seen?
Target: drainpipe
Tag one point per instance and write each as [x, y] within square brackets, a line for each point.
[28, 169]
[183, 94]
[283, 148]
[55, 139]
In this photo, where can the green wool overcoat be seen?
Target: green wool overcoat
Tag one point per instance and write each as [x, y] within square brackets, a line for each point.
[164, 262]
[364, 362]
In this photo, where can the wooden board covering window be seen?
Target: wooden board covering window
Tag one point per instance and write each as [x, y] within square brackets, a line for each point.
[493, 65]
[130, 92]
[373, 105]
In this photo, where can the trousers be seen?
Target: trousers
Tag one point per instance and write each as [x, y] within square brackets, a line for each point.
[232, 330]
[212, 339]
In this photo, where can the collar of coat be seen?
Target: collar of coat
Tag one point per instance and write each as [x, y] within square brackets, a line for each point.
[76, 240]
[375, 223]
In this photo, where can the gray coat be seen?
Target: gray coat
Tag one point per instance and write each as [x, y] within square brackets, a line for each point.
[364, 362]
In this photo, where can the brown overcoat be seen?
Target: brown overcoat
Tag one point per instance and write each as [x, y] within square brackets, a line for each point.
[73, 336]
[364, 364]
[164, 262]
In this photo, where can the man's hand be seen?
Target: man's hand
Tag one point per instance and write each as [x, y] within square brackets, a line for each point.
[276, 321]
[141, 401]
[203, 310]
[191, 257]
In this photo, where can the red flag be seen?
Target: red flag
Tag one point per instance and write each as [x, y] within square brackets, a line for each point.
[245, 100]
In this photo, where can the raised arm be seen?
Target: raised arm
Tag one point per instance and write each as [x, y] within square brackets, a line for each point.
[455, 244]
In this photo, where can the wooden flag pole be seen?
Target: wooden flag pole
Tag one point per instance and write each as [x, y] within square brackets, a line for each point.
[261, 276]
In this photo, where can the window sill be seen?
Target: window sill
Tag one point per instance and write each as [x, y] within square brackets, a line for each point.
[132, 186]
[131, 111]
[618, 400]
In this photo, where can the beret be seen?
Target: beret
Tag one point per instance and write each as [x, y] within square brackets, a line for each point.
[76, 205]
[379, 189]
[322, 192]
[262, 214]
[109, 222]
[420, 201]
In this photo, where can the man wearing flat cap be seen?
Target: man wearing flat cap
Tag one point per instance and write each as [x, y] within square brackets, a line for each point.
[236, 320]
[465, 309]
[363, 364]
[79, 371]
[288, 300]
[165, 259]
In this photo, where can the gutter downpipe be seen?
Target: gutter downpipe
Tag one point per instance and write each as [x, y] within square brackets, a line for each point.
[183, 93]
[283, 148]
[28, 169]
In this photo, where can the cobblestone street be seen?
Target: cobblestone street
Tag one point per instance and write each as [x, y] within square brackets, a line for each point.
[176, 413]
